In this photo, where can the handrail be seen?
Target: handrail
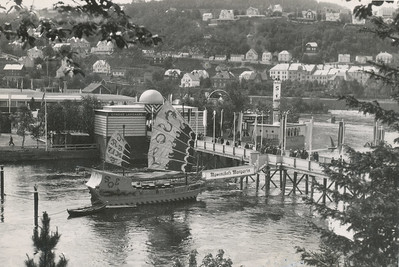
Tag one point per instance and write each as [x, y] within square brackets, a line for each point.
[271, 159]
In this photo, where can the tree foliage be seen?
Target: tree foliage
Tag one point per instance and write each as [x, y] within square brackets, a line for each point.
[369, 187]
[23, 119]
[45, 243]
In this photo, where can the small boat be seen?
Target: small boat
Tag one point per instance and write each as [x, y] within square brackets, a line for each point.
[86, 210]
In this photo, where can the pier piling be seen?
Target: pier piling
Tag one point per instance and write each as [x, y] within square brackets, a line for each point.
[2, 183]
[257, 182]
[36, 206]
[324, 190]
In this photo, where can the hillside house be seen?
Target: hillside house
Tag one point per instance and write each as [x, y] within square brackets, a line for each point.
[207, 16]
[252, 11]
[220, 58]
[80, 45]
[311, 47]
[280, 72]
[172, 74]
[103, 48]
[190, 80]
[237, 58]
[200, 73]
[384, 57]
[363, 59]
[118, 72]
[252, 55]
[344, 58]
[246, 75]
[284, 56]
[360, 74]
[101, 67]
[13, 72]
[301, 72]
[276, 8]
[226, 14]
[34, 53]
[309, 15]
[321, 76]
[333, 16]
[222, 79]
[267, 57]
[96, 88]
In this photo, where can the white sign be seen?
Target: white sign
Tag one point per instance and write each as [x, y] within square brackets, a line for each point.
[228, 172]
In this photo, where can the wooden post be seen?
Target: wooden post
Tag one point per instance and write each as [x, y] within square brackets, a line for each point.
[257, 182]
[295, 181]
[36, 206]
[2, 182]
[267, 180]
[246, 179]
[324, 190]
[312, 188]
[281, 177]
[241, 182]
[307, 184]
[284, 181]
[336, 190]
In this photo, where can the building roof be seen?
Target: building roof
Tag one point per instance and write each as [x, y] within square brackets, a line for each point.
[280, 67]
[312, 44]
[151, 97]
[193, 77]
[94, 86]
[284, 52]
[224, 75]
[13, 67]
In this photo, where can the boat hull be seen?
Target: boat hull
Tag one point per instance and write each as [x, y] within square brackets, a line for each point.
[122, 192]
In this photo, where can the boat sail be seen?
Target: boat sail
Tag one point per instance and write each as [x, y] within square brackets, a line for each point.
[118, 151]
[170, 158]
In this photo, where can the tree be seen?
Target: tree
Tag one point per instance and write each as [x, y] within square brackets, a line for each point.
[89, 104]
[45, 243]
[23, 119]
[371, 199]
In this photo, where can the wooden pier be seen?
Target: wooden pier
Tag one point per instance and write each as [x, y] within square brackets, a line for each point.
[291, 175]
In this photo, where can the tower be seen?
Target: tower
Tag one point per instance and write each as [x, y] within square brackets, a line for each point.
[276, 100]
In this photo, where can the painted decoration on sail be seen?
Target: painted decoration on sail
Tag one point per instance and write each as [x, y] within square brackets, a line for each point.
[118, 150]
[172, 142]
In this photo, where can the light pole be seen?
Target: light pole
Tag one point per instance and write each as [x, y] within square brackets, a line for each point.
[214, 124]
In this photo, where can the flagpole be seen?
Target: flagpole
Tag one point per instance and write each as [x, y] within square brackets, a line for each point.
[261, 133]
[221, 123]
[196, 126]
[214, 115]
[234, 128]
[310, 137]
[45, 123]
[255, 134]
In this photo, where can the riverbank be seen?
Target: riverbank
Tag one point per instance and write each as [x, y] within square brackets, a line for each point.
[36, 151]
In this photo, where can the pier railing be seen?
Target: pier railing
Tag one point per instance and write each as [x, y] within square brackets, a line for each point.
[244, 154]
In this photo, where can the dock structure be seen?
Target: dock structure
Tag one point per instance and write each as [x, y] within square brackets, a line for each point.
[291, 175]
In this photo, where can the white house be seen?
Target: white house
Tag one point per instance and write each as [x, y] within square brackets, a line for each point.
[267, 57]
[344, 58]
[200, 73]
[207, 16]
[172, 73]
[333, 16]
[101, 66]
[363, 59]
[251, 55]
[321, 76]
[237, 57]
[309, 14]
[246, 75]
[226, 14]
[103, 48]
[384, 57]
[311, 47]
[79, 44]
[252, 11]
[284, 56]
[280, 71]
[190, 80]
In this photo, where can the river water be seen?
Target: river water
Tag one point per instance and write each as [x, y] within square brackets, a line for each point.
[252, 230]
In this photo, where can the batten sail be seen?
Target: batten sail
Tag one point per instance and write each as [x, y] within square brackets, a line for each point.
[118, 151]
[172, 142]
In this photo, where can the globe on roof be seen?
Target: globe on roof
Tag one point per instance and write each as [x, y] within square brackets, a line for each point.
[151, 97]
